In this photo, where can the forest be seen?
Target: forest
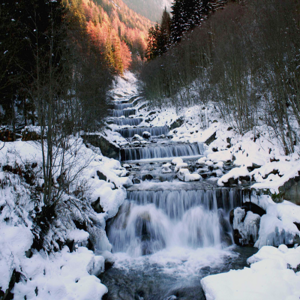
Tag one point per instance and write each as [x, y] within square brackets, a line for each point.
[61, 56]
[243, 55]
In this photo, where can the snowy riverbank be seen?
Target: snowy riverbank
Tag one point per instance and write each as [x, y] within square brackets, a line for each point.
[96, 193]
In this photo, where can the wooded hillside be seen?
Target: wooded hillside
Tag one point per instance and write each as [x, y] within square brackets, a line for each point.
[244, 57]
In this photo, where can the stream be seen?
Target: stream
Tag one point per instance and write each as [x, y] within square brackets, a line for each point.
[168, 234]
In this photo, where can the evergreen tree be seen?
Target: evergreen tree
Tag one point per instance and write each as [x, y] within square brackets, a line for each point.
[159, 37]
[186, 15]
[152, 46]
[165, 30]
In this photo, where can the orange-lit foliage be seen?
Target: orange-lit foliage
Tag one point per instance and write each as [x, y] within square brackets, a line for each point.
[117, 31]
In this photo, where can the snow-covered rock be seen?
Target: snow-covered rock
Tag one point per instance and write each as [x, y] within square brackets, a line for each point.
[166, 168]
[62, 275]
[268, 278]
[181, 166]
[185, 175]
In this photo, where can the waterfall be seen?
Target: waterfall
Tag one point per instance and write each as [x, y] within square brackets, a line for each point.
[128, 121]
[154, 131]
[123, 106]
[150, 221]
[123, 112]
[162, 151]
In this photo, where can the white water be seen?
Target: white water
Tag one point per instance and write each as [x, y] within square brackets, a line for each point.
[128, 121]
[179, 233]
[162, 151]
[167, 240]
[123, 112]
[154, 221]
[154, 131]
[123, 106]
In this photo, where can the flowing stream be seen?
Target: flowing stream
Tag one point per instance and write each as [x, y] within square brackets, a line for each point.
[167, 236]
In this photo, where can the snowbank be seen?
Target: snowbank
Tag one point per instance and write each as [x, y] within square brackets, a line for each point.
[269, 277]
[62, 275]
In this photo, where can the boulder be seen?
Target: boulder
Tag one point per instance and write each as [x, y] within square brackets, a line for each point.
[211, 139]
[107, 148]
[179, 122]
[246, 227]
[166, 168]
[136, 181]
[101, 176]
[147, 177]
[137, 137]
[185, 175]
[146, 135]
[291, 190]
[97, 207]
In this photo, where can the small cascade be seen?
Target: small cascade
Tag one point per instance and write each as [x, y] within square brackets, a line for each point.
[154, 131]
[176, 202]
[150, 221]
[128, 121]
[162, 151]
[122, 106]
[123, 112]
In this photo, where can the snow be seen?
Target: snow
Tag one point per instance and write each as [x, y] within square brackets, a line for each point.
[234, 173]
[248, 229]
[14, 241]
[62, 275]
[268, 278]
[72, 275]
[166, 168]
[185, 175]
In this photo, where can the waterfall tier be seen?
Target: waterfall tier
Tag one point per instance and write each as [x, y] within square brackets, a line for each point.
[128, 121]
[162, 151]
[123, 112]
[154, 131]
[123, 106]
[150, 221]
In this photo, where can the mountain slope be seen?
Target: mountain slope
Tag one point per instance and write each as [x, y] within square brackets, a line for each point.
[151, 9]
[119, 32]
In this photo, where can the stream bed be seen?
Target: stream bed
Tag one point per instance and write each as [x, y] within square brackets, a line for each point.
[170, 232]
[170, 274]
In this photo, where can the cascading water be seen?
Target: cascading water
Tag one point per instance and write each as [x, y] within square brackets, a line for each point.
[153, 220]
[123, 106]
[128, 121]
[154, 131]
[162, 151]
[123, 112]
[165, 241]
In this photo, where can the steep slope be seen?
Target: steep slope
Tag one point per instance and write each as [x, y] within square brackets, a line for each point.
[118, 31]
[151, 9]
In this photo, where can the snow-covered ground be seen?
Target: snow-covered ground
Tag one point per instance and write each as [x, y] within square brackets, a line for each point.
[66, 274]
[270, 276]
[61, 274]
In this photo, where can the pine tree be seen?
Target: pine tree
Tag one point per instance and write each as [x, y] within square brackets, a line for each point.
[159, 37]
[152, 46]
[186, 14]
[165, 30]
